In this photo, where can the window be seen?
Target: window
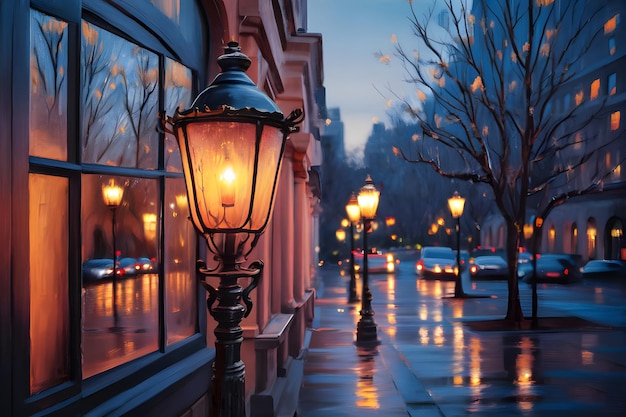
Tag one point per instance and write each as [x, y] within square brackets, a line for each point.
[133, 276]
[615, 120]
[574, 239]
[611, 24]
[591, 238]
[595, 89]
[580, 96]
[612, 46]
[551, 238]
[611, 84]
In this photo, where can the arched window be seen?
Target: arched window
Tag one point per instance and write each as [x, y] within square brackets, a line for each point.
[592, 233]
[615, 247]
[574, 238]
[551, 238]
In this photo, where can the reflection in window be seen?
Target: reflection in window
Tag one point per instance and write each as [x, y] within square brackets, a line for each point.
[49, 294]
[177, 96]
[48, 87]
[595, 89]
[119, 94]
[615, 119]
[179, 264]
[574, 239]
[170, 8]
[612, 46]
[120, 310]
[612, 84]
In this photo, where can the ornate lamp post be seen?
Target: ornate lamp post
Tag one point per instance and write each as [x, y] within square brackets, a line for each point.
[112, 195]
[354, 216]
[368, 204]
[231, 141]
[456, 203]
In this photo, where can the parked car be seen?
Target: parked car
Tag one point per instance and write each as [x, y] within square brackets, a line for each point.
[482, 251]
[557, 268]
[489, 267]
[377, 262]
[465, 259]
[436, 262]
[99, 269]
[604, 268]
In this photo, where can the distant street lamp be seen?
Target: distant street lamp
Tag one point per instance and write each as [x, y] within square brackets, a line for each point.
[456, 203]
[368, 204]
[232, 141]
[112, 196]
[340, 234]
[354, 216]
[533, 231]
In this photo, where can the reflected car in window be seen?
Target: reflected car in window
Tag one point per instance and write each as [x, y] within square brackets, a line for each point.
[99, 269]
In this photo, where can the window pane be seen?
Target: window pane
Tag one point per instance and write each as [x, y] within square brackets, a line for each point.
[120, 304]
[177, 95]
[49, 293]
[119, 101]
[48, 87]
[179, 263]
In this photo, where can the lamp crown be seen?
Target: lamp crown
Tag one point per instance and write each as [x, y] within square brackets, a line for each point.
[233, 59]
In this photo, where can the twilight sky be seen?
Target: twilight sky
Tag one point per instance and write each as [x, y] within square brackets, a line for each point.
[356, 81]
[354, 31]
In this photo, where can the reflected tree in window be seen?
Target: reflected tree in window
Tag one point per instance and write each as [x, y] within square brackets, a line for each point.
[48, 87]
[120, 100]
[177, 90]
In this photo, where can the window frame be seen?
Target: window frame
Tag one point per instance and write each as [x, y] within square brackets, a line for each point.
[156, 38]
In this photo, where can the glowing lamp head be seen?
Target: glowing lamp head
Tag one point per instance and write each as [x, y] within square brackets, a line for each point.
[353, 210]
[112, 194]
[232, 140]
[456, 203]
[368, 199]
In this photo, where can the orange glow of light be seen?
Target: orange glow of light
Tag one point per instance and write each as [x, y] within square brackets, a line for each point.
[578, 99]
[595, 89]
[615, 120]
[611, 24]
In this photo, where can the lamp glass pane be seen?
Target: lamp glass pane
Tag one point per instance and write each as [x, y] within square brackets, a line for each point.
[222, 166]
[269, 159]
[368, 202]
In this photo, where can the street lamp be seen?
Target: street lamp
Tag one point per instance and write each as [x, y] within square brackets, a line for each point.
[456, 203]
[354, 216]
[368, 204]
[112, 196]
[534, 231]
[231, 141]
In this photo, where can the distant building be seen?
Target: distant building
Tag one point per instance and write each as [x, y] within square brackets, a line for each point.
[591, 225]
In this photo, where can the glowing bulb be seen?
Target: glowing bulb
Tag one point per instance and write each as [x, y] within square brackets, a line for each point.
[227, 187]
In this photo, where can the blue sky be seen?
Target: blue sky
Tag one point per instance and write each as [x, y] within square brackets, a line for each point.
[353, 32]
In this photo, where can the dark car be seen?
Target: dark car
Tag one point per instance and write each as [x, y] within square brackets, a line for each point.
[489, 267]
[436, 262]
[604, 268]
[99, 269]
[555, 268]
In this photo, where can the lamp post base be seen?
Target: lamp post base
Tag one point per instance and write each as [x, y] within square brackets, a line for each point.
[366, 331]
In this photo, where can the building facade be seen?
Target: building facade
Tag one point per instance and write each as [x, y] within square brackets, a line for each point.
[100, 309]
[592, 224]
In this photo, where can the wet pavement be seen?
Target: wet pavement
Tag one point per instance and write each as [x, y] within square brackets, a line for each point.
[436, 356]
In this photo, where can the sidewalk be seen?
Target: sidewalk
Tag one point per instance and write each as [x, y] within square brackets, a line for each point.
[431, 363]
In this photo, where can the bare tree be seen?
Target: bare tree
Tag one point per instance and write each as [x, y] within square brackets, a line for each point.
[486, 98]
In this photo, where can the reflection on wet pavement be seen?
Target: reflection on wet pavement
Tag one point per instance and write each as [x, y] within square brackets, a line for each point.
[431, 363]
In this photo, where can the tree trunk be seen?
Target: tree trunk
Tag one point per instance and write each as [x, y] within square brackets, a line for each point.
[514, 311]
